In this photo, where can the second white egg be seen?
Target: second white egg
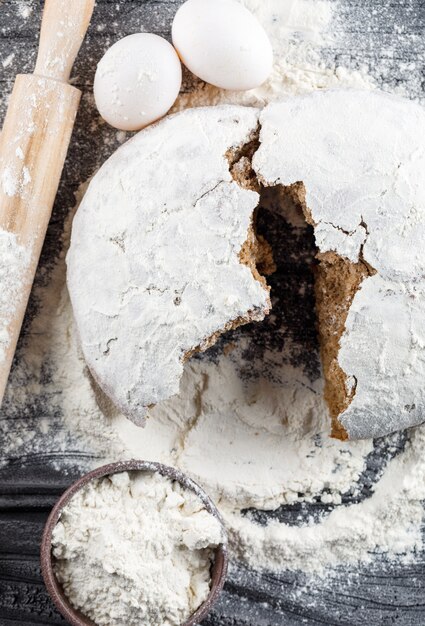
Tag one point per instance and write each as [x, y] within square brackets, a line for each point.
[222, 43]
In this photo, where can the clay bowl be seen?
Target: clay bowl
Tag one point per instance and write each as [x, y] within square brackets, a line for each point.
[75, 617]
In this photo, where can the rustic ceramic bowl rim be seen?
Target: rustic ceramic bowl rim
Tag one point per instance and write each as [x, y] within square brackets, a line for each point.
[75, 617]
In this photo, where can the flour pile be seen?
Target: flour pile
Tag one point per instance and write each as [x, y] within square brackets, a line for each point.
[249, 422]
[135, 548]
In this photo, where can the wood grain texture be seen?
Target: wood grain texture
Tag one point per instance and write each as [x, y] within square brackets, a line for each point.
[64, 26]
[33, 145]
[376, 595]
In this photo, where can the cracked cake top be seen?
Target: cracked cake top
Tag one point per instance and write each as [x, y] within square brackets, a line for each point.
[156, 268]
[361, 158]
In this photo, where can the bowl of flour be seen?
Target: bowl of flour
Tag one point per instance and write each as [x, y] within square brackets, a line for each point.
[134, 543]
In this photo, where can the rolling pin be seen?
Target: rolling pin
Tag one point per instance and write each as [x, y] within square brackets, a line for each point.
[33, 146]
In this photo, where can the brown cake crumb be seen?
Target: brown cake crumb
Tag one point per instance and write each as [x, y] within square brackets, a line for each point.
[240, 162]
[337, 281]
[256, 252]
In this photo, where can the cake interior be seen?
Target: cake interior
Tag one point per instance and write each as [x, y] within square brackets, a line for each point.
[336, 281]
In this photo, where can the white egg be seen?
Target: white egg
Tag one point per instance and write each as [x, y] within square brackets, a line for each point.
[221, 42]
[137, 81]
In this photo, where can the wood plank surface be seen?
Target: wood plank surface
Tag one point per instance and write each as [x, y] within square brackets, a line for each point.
[376, 595]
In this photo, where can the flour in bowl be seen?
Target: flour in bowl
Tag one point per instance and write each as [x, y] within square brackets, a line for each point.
[136, 548]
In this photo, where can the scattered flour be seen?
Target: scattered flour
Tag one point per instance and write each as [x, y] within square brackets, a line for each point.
[14, 180]
[24, 10]
[8, 60]
[136, 548]
[390, 523]
[209, 428]
[14, 260]
[10, 183]
[260, 443]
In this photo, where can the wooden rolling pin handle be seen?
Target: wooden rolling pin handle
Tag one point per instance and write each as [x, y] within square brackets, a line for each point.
[63, 28]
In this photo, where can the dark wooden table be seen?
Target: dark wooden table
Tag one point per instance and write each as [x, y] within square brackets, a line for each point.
[381, 594]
